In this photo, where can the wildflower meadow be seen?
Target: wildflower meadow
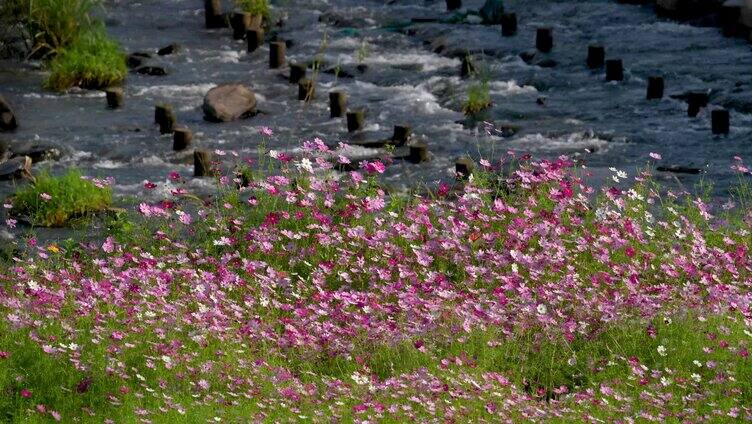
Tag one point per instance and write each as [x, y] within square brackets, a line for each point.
[297, 293]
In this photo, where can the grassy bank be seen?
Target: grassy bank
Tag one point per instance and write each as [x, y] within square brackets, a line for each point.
[304, 297]
[70, 39]
[60, 201]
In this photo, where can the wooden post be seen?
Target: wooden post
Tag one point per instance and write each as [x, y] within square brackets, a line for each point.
[297, 72]
[655, 88]
[721, 121]
[165, 117]
[355, 120]
[202, 163]
[695, 101]
[241, 23]
[463, 168]
[337, 104]
[255, 38]
[508, 24]
[596, 56]
[277, 54]
[544, 39]
[614, 70]
[115, 97]
[418, 152]
[306, 89]
[401, 134]
[213, 14]
[181, 139]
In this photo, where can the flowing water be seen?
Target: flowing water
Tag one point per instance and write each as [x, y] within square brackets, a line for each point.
[603, 124]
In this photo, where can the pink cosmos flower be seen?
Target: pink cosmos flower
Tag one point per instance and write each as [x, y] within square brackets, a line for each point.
[149, 185]
[266, 131]
[46, 197]
[25, 393]
[374, 167]
[655, 156]
[109, 245]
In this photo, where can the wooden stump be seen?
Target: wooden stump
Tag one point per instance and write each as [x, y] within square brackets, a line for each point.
[337, 104]
[115, 97]
[277, 51]
[181, 139]
[355, 120]
[202, 163]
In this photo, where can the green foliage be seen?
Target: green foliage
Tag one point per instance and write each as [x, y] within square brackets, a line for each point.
[93, 61]
[64, 32]
[56, 201]
[478, 98]
[51, 25]
[255, 7]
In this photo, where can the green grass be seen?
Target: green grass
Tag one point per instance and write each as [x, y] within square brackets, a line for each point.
[75, 44]
[478, 98]
[51, 25]
[71, 198]
[255, 7]
[93, 61]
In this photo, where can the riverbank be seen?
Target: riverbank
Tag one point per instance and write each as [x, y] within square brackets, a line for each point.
[300, 297]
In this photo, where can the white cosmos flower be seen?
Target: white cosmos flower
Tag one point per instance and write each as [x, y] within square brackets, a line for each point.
[662, 350]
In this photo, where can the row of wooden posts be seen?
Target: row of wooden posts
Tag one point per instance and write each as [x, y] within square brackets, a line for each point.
[596, 59]
[244, 27]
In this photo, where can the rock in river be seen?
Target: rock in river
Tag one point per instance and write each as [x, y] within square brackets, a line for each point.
[229, 102]
[18, 167]
[7, 117]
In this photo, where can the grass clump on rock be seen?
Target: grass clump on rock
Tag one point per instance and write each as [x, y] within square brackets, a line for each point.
[65, 34]
[478, 98]
[93, 61]
[58, 201]
[255, 7]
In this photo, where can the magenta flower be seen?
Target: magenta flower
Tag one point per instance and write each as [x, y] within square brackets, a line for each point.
[266, 131]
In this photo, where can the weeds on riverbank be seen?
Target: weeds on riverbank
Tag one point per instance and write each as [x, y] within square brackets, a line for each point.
[310, 295]
[64, 33]
[255, 8]
[59, 201]
[92, 61]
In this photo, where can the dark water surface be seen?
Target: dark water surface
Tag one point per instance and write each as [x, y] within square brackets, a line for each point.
[604, 124]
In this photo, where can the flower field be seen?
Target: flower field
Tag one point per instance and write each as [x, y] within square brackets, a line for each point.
[306, 297]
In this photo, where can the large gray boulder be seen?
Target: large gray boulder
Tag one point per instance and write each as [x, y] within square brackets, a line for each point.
[229, 102]
[7, 117]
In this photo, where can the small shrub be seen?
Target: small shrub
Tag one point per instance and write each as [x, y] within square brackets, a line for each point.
[255, 7]
[93, 61]
[51, 25]
[478, 98]
[56, 201]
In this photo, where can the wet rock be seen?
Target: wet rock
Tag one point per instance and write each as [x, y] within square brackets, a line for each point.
[547, 63]
[155, 71]
[168, 50]
[491, 12]
[339, 72]
[16, 168]
[36, 152]
[438, 45]
[229, 102]
[339, 20]
[4, 151]
[134, 60]
[527, 56]
[677, 169]
[7, 117]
